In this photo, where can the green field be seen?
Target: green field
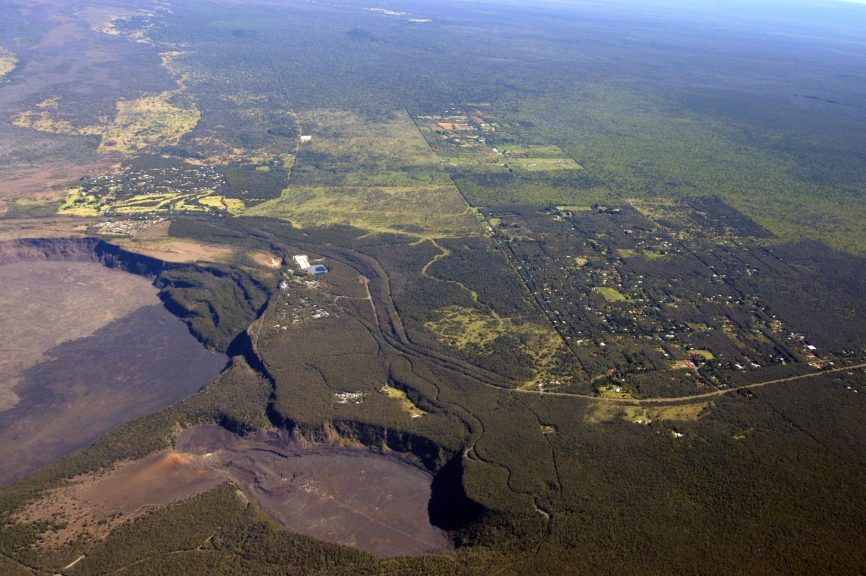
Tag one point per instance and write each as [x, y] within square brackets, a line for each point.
[379, 176]
[611, 294]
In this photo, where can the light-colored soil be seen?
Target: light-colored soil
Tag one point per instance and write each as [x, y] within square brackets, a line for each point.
[154, 241]
[267, 260]
[179, 250]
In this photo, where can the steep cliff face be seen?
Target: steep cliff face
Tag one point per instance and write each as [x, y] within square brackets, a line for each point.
[62, 249]
[79, 250]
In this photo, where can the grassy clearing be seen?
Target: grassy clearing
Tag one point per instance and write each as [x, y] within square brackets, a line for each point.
[520, 186]
[348, 150]
[685, 412]
[140, 124]
[705, 354]
[650, 255]
[45, 117]
[79, 203]
[149, 122]
[470, 151]
[611, 294]
[535, 150]
[377, 176]
[411, 211]
[611, 391]
[504, 170]
[233, 206]
[543, 164]
[405, 403]
[476, 332]
[150, 203]
[672, 413]
[467, 328]
[679, 412]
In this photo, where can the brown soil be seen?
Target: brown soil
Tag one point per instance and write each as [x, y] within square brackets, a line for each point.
[154, 241]
[185, 251]
[93, 505]
[267, 260]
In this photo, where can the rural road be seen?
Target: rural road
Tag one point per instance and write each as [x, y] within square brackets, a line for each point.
[714, 393]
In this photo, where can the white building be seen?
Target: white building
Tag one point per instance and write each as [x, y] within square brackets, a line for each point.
[303, 262]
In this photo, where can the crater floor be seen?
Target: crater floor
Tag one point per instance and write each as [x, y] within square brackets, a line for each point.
[85, 349]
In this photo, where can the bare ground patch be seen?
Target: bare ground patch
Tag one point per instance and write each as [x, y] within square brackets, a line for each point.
[93, 505]
[154, 241]
[179, 250]
[599, 412]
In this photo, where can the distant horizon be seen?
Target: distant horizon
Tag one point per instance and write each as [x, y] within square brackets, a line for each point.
[711, 4]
